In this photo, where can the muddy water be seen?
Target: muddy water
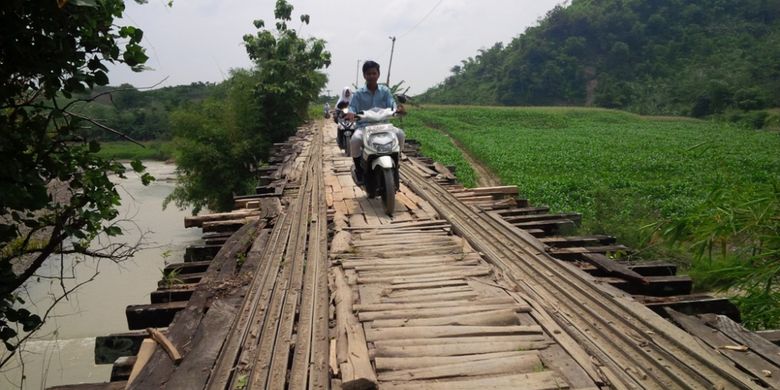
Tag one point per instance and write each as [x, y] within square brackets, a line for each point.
[62, 352]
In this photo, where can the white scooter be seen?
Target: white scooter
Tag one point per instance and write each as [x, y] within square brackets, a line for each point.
[380, 158]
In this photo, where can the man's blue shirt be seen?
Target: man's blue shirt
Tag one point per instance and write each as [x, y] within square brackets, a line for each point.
[363, 99]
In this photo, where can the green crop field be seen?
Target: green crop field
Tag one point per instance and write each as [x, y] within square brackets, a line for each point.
[703, 194]
[621, 171]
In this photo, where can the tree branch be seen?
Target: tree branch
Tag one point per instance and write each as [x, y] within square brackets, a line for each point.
[104, 127]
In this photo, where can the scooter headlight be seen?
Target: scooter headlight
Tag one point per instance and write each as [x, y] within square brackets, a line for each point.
[383, 142]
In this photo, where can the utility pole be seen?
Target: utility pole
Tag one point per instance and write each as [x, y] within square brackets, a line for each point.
[357, 72]
[392, 48]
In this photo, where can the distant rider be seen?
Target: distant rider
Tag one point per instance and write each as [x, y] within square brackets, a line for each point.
[367, 97]
[342, 103]
[326, 110]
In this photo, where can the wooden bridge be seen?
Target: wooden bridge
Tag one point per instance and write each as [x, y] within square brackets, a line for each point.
[308, 285]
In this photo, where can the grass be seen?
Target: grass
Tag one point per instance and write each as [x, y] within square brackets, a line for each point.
[620, 170]
[125, 150]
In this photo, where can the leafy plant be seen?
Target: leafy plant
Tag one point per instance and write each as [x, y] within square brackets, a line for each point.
[735, 238]
[171, 277]
[240, 259]
[222, 141]
[56, 194]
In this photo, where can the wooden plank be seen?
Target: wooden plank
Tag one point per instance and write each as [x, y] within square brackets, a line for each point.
[414, 224]
[462, 340]
[397, 293]
[206, 344]
[756, 343]
[122, 367]
[396, 267]
[437, 312]
[570, 241]
[188, 267]
[523, 211]
[491, 366]
[310, 358]
[157, 315]
[431, 275]
[438, 260]
[448, 331]
[392, 364]
[612, 267]
[355, 366]
[433, 297]
[484, 318]
[772, 336]
[399, 251]
[201, 252]
[281, 348]
[656, 285]
[691, 304]
[573, 252]
[544, 380]
[644, 268]
[562, 338]
[198, 220]
[421, 305]
[92, 386]
[458, 349]
[439, 283]
[142, 359]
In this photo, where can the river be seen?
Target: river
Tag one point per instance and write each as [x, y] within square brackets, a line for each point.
[62, 352]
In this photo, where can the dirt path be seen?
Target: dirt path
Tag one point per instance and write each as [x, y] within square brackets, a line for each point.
[485, 177]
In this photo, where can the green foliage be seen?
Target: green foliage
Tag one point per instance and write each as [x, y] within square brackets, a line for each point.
[171, 277]
[652, 57]
[222, 140]
[56, 194]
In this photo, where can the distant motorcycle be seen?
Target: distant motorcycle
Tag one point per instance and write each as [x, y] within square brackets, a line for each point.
[380, 158]
[344, 130]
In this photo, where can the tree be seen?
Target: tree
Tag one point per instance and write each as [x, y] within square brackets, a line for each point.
[263, 105]
[56, 194]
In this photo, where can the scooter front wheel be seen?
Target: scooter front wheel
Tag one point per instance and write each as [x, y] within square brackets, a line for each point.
[388, 191]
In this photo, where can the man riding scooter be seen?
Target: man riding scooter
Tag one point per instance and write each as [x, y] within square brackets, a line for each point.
[372, 95]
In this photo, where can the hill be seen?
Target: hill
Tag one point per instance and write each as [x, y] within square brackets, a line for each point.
[675, 57]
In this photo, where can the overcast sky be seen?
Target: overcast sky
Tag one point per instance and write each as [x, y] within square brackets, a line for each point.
[200, 40]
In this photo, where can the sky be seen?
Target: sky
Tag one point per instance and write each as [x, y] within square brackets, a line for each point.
[201, 40]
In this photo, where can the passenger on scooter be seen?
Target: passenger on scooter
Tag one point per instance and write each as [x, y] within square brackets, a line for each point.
[342, 103]
[367, 97]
